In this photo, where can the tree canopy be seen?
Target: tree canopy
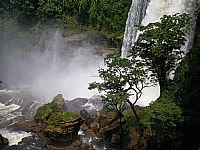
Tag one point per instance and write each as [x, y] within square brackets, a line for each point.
[122, 78]
[159, 44]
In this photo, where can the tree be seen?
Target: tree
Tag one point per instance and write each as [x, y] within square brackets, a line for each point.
[122, 78]
[24, 9]
[160, 43]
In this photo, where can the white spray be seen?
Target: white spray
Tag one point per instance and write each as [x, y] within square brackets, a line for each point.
[53, 65]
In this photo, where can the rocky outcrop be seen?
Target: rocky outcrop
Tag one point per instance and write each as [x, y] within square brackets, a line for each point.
[57, 124]
[19, 123]
[58, 102]
[92, 105]
[100, 124]
[65, 130]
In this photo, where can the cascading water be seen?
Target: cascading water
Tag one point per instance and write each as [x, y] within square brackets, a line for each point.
[155, 10]
[135, 16]
[141, 14]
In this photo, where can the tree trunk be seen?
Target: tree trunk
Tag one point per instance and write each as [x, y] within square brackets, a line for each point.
[120, 122]
[162, 85]
[162, 79]
[133, 109]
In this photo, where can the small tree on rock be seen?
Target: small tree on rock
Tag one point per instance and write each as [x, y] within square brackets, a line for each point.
[121, 79]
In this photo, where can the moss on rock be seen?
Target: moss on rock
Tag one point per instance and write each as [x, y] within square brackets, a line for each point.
[58, 124]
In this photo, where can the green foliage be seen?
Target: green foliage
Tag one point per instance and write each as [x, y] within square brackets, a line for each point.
[58, 117]
[101, 14]
[122, 78]
[110, 15]
[188, 95]
[160, 43]
[51, 8]
[52, 114]
[43, 112]
[23, 10]
[161, 119]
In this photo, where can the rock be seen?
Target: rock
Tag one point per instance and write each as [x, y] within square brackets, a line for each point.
[63, 131]
[86, 117]
[79, 145]
[84, 114]
[57, 124]
[3, 141]
[137, 142]
[45, 111]
[134, 137]
[19, 123]
[76, 105]
[107, 118]
[58, 101]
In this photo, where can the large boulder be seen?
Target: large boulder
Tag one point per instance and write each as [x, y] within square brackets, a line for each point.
[58, 101]
[58, 124]
[63, 126]
[76, 105]
[92, 105]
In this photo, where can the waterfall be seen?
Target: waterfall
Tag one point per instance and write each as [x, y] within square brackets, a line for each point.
[140, 13]
[143, 12]
[135, 16]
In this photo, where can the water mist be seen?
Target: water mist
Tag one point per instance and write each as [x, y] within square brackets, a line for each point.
[53, 64]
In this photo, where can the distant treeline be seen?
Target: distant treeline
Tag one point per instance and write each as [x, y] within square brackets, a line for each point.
[108, 15]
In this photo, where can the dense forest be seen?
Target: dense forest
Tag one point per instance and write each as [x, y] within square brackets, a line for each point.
[172, 121]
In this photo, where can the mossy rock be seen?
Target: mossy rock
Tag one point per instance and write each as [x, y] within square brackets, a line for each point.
[63, 126]
[45, 111]
[58, 124]
[59, 117]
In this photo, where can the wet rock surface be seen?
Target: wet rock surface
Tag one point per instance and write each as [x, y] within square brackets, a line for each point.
[34, 142]
[20, 124]
[92, 105]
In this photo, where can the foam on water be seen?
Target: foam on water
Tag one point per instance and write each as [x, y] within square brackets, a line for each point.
[4, 110]
[14, 137]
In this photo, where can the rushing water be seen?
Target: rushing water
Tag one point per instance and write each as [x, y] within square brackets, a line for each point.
[135, 16]
[155, 10]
